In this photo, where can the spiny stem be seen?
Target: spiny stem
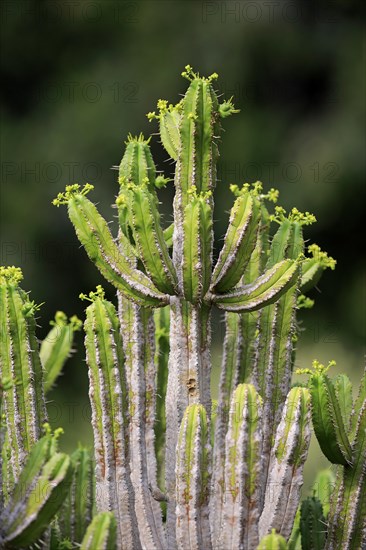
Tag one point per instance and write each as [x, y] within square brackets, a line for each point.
[138, 338]
[109, 404]
[243, 472]
[24, 403]
[274, 345]
[347, 516]
[77, 510]
[161, 318]
[286, 464]
[193, 472]
[189, 370]
[56, 347]
[38, 494]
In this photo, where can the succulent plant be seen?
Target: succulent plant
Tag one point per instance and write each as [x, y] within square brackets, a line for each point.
[170, 470]
[340, 427]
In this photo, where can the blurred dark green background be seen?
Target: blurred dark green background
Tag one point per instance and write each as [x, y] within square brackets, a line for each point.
[77, 76]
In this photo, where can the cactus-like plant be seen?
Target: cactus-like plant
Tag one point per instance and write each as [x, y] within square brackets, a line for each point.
[38, 494]
[342, 438]
[171, 473]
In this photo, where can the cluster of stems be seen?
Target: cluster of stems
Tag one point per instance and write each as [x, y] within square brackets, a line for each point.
[174, 469]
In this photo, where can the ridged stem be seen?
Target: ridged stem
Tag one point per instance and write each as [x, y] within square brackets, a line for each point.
[312, 525]
[193, 471]
[137, 327]
[77, 510]
[347, 516]
[243, 472]
[57, 347]
[38, 494]
[23, 404]
[188, 382]
[288, 456]
[274, 345]
[107, 391]
[236, 366]
[161, 317]
[233, 347]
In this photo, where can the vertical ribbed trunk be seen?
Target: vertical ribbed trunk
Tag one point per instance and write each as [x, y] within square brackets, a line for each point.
[24, 403]
[193, 472]
[230, 366]
[108, 398]
[188, 383]
[137, 328]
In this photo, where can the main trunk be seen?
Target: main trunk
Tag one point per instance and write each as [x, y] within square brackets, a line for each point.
[188, 382]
